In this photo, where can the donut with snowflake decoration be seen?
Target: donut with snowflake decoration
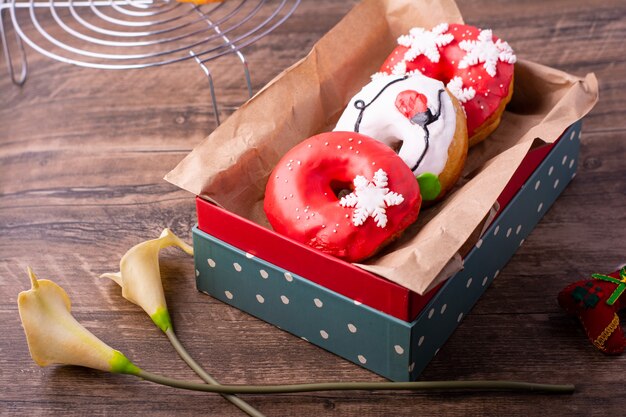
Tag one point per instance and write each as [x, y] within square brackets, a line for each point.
[416, 116]
[476, 67]
[342, 193]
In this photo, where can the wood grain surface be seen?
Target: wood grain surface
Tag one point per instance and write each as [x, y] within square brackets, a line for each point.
[82, 156]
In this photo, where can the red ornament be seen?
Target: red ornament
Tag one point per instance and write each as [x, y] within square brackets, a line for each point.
[596, 303]
[410, 103]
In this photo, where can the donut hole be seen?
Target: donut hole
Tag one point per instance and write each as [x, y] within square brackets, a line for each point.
[395, 144]
[341, 188]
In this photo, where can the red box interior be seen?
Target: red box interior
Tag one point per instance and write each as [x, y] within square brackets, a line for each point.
[327, 271]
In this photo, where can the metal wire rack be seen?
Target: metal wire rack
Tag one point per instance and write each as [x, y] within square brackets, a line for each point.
[133, 34]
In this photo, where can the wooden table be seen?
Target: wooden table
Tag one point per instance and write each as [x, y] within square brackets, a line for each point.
[83, 153]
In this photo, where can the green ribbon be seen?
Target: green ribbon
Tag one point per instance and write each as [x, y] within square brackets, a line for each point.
[621, 284]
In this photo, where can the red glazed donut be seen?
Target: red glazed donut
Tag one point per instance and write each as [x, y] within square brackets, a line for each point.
[343, 193]
[476, 67]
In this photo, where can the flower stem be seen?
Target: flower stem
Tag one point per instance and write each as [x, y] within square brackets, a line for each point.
[361, 386]
[182, 352]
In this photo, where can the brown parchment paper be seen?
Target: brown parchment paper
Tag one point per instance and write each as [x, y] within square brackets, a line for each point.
[232, 165]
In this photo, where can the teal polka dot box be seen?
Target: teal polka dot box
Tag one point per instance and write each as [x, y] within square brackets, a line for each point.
[232, 266]
[371, 319]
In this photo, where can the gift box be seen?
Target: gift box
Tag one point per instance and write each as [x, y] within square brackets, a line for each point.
[394, 348]
[393, 312]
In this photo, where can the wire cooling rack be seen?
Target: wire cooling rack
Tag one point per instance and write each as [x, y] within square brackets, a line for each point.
[133, 34]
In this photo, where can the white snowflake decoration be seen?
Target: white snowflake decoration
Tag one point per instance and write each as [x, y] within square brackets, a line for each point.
[462, 94]
[378, 75]
[485, 50]
[399, 68]
[370, 199]
[425, 42]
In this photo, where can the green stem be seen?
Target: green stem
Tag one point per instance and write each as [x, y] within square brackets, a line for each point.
[182, 352]
[360, 386]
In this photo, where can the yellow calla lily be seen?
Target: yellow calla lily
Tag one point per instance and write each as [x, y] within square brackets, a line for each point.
[54, 335]
[140, 277]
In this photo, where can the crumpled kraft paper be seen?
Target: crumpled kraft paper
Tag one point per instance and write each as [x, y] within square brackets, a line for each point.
[232, 165]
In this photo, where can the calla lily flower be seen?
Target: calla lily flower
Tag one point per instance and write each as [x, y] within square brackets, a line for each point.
[140, 277]
[54, 335]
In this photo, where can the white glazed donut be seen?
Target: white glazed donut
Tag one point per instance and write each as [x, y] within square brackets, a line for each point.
[416, 116]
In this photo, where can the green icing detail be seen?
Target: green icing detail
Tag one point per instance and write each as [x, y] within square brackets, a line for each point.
[162, 319]
[430, 187]
[121, 365]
